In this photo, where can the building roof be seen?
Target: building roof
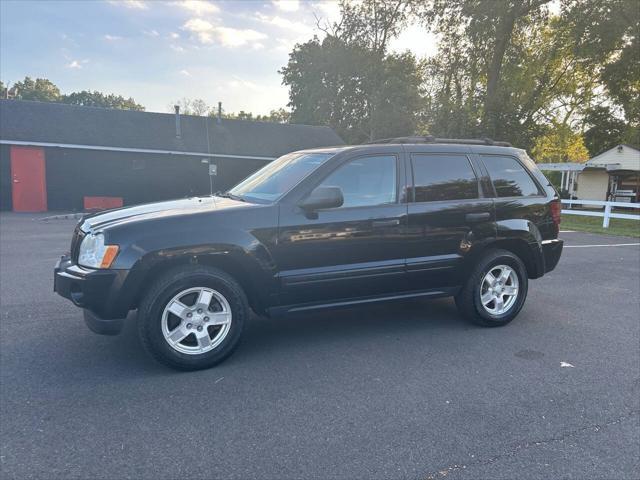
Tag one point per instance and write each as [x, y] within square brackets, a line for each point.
[620, 157]
[563, 166]
[41, 122]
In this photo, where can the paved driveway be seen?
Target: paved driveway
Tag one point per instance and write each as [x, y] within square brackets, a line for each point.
[390, 391]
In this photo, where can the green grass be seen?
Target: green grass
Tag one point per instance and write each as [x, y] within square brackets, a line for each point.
[617, 226]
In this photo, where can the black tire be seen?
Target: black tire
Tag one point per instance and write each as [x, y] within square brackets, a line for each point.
[164, 289]
[468, 299]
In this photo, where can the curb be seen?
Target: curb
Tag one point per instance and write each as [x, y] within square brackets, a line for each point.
[65, 216]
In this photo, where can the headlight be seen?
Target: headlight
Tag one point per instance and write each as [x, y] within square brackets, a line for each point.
[95, 254]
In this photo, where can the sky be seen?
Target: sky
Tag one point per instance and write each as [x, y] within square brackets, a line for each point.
[161, 51]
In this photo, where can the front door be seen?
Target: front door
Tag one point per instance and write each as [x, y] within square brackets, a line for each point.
[447, 215]
[28, 179]
[353, 251]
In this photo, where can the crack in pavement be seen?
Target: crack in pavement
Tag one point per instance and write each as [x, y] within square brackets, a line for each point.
[517, 448]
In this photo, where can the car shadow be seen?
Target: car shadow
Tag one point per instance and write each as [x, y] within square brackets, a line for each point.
[98, 359]
[352, 326]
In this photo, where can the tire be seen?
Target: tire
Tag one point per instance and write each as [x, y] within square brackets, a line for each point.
[470, 299]
[165, 315]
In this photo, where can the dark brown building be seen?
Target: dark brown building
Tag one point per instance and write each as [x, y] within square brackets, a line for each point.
[64, 157]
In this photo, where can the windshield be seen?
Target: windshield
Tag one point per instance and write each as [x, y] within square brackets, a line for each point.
[277, 178]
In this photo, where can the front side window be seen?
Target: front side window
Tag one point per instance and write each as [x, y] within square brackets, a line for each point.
[510, 179]
[365, 181]
[278, 177]
[438, 177]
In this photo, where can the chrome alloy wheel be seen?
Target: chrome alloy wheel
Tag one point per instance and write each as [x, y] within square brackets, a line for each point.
[499, 289]
[196, 320]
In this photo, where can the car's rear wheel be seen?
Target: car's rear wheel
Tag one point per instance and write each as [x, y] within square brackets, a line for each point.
[192, 317]
[496, 289]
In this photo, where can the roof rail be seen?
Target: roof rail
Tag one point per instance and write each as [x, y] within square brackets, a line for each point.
[432, 139]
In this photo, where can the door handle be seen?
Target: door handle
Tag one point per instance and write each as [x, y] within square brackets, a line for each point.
[386, 223]
[477, 217]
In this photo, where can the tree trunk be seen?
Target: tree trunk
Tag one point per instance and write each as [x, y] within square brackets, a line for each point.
[504, 32]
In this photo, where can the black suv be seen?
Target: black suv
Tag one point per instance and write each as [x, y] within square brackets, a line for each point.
[316, 229]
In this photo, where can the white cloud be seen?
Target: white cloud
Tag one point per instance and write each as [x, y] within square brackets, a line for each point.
[199, 7]
[174, 35]
[133, 4]
[112, 38]
[151, 33]
[285, 23]
[76, 64]
[176, 48]
[238, 82]
[207, 33]
[287, 5]
[185, 73]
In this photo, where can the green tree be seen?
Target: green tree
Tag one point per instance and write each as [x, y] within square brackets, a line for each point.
[606, 130]
[191, 106]
[279, 115]
[334, 83]
[560, 144]
[370, 23]
[606, 36]
[97, 99]
[40, 90]
[483, 33]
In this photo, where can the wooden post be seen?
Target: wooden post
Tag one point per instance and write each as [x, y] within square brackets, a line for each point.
[607, 213]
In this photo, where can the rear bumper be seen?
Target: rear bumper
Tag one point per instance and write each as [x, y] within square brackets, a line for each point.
[98, 292]
[551, 250]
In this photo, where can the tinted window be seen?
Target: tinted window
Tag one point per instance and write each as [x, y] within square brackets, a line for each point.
[443, 177]
[280, 176]
[365, 181]
[509, 177]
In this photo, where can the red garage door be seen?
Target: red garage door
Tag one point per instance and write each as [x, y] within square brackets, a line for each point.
[28, 179]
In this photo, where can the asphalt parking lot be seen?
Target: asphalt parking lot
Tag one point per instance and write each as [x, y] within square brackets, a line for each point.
[405, 390]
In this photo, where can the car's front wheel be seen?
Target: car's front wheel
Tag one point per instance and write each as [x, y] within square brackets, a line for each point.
[496, 289]
[192, 317]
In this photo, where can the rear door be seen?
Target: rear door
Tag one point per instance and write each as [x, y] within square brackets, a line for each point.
[356, 250]
[448, 213]
[518, 195]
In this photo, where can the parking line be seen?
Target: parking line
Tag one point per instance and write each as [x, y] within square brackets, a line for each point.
[605, 245]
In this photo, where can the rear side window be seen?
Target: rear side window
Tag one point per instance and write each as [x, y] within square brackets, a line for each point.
[443, 177]
[510, 179]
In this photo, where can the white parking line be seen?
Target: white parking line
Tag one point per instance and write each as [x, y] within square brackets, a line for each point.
[605, 245]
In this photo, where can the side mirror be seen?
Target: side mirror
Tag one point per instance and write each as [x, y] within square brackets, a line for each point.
[322, 197]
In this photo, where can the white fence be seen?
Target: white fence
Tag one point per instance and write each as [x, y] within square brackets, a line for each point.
[606, 214]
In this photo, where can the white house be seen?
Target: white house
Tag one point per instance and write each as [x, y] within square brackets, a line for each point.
[612, 175]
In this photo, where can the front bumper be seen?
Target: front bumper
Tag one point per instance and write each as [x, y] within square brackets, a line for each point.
[551, 249]
[98, 292]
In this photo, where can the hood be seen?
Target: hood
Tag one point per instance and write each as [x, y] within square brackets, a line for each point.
[150, 211]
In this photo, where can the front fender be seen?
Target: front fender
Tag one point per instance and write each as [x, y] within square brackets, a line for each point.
[239, 252]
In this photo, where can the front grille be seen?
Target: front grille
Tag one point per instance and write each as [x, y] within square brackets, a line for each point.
[78, 235]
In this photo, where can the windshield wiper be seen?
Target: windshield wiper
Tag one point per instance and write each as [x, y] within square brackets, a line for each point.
[229, 195]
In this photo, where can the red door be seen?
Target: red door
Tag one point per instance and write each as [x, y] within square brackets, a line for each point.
[29, 182]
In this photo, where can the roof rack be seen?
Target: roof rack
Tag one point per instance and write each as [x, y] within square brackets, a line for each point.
[432, 139]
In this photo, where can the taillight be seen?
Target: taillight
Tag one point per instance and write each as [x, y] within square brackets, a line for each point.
[556, 207]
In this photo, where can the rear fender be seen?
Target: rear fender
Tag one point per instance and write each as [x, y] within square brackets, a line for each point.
[519, 236]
